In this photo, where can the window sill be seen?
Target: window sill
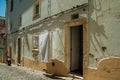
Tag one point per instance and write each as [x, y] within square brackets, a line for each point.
[36, 16]
[35, 50]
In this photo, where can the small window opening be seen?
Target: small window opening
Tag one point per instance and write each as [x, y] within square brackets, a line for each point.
[37, 9]
[11, 8]
[74, 16]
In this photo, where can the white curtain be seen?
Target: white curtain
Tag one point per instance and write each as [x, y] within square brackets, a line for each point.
[58, 44]
[44, 46]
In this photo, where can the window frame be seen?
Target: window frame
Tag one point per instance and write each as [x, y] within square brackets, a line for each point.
[36, 3]
[35, 42]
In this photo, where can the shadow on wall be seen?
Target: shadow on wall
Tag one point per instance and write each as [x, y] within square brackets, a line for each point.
[97, 32]
[25, 6]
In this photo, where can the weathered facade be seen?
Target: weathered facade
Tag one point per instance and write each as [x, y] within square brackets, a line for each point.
[62, 37]
[2, 39]
[104, 56]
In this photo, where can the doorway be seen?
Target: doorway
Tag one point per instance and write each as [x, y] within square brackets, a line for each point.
[19, 50]
[10, 50]
[76, 49]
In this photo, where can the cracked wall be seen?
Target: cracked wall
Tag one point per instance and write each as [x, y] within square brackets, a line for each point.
[103, 30]
[104, 40]
[107, 69]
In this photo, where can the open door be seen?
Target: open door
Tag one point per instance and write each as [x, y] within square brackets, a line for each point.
[76, 50]
[19, 51]
[76, 57]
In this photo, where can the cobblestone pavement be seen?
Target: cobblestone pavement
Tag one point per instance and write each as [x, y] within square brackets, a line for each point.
[19, 73]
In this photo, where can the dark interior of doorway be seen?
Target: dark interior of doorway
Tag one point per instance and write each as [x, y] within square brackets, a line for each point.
[10, 48]
[76, 53]
[19, 50]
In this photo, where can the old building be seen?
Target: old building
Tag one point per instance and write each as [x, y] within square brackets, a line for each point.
[65, 37]
[2, 38]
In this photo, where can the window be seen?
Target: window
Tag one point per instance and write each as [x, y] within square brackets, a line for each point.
[35, 41]
[36, 10]
[74, 16]
[10, 27]
[11, 7]
[19, 20]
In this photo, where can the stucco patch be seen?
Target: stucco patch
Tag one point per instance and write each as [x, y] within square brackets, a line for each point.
[107, 69]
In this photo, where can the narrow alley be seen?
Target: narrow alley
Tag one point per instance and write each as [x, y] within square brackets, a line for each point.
[60, 39]
[19, 73]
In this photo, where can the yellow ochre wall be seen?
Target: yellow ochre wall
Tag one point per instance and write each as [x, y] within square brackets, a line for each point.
[107, 69]
[58, 68]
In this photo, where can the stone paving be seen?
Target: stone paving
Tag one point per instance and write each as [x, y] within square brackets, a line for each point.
[20, 73]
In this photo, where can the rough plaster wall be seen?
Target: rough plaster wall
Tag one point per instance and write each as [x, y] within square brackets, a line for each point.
[58, 68]
[26, 10]
[30, 63]
[55, 24]
[104, 70]
[62, 5]
[104, 22]
[20, 8]
[26, 45]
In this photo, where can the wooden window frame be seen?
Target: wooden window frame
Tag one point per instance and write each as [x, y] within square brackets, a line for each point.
[36, 16]
[35, 40]
[35, 45]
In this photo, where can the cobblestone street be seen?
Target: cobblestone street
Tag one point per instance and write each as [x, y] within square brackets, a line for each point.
[19, 73]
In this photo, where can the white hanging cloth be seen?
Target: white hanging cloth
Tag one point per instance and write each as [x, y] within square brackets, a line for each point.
[44, 47]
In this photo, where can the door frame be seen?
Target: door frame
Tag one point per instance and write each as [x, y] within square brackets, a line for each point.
[67, 26]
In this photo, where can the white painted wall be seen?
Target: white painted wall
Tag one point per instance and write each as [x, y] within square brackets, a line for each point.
[25, 7]
[104, 22]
